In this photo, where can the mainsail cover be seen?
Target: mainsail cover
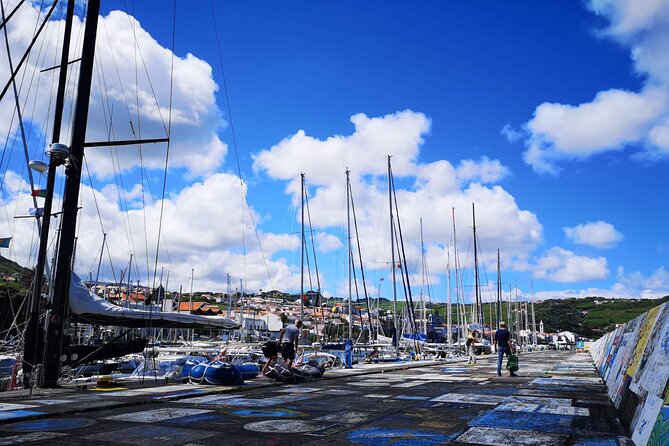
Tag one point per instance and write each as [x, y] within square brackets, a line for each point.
[92, 309]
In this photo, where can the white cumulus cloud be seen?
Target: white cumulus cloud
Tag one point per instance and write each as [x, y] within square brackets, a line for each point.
[428, 190]
[599, 234]
[564, 266]
[130, 96]
[632, 285]
[615, 118]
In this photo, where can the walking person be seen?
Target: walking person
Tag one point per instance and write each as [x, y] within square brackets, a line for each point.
[471, 347]
[504, 346]
[270, 350]
[288, 340]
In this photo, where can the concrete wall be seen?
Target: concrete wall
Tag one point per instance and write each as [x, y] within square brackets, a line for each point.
[634, 362]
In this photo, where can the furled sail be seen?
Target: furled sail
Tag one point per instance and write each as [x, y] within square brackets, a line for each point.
[92, 309]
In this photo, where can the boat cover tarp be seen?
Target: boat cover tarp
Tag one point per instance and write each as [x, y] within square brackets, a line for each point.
[298, 374]
[92, 309]
[78, 354]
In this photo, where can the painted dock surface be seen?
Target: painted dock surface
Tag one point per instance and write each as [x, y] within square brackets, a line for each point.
[557, 399]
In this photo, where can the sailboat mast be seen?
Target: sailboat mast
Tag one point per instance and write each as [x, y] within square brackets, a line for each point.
[227, 291]
[527, 322]
[350, 257]
[517, 312]
[129, 281]
[302, 257]
[31, 355]
[423, 267]
[102, 250]
[392, 251]
[449, 330]
[499, 290]
[190, 299]
[509, 321]
[167, 285]
[70, 201]
[462, 320]
[478, 307]
[534, 321]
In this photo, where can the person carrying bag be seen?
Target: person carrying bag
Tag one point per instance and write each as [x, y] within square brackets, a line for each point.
[504, 346]
[512, 363]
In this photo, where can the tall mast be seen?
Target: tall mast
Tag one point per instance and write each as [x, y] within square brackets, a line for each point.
[499, 291]
[31, 354]
[517, 315]
[241, 305]
[534, 321]
[350, 257]
[70, 202]
[302, 257]
[227, 291]
[392, 251]
[167, 285]
[478, 307]
[462, 320]
[449, 329]
[509, 321]
[527, 322]
[423, 267]
[190, 300]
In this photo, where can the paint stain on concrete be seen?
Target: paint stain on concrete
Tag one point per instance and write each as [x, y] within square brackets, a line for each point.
[339, 392]
[292, 389]
[346, 417]
[17, 414]
[31, 437]
[217, 400]
[284, 426]
[454, 370]
[49, 424]
[193, 420]
[329, 430]
[510, 437]
[50, 402]
[540, 408]
[151, 416]
[177, 394]
[13, 406]
[491, 400]
[162, 435]
[267, 413]
[504, 391]
[398, 437]
[520, 421]
[596, 442]
[542, 401]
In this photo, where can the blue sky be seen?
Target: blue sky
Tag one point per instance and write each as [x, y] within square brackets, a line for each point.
[551, 116]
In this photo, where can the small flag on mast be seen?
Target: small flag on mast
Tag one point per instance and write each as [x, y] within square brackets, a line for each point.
[4, 242]
[41, 193]
[36, 212]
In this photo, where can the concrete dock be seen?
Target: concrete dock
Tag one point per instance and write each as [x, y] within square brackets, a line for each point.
[557, 399]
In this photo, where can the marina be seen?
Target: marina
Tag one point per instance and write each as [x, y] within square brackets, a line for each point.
[150, 293]
[558, 399]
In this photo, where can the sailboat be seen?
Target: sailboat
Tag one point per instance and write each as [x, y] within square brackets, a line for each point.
[70, 299]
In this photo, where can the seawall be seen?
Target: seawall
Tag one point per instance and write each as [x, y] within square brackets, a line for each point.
[633, 360]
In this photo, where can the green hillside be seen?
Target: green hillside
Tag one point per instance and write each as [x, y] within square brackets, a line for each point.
[13, 292]
[8, 267]
[589, 317]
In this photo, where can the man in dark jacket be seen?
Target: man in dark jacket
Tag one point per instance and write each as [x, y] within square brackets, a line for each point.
[503, 345]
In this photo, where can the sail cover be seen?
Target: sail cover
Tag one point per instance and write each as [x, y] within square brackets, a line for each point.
[92, 309]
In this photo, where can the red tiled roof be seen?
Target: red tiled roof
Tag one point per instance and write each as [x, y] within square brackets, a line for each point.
[188, 306]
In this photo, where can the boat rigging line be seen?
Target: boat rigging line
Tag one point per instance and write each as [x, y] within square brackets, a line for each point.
[27, 52]
[362, 269]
